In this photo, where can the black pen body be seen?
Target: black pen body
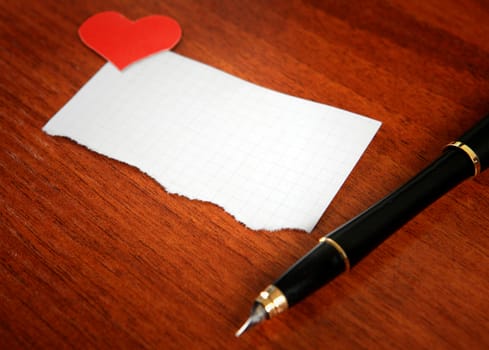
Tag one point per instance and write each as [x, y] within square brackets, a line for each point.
[348, 244]
[358, 237]
[364, 233]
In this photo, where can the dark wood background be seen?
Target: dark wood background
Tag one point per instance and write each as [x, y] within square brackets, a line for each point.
[94, 254]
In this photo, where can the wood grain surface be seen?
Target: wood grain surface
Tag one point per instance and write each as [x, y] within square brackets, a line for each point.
[95, 254]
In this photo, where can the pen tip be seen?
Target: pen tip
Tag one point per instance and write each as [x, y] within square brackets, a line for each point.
[243, 328]
[257, 315]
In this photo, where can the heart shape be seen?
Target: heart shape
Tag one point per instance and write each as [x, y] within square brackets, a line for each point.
[122, 41]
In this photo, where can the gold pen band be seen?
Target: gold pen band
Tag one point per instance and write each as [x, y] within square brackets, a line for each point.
[273, 301]
[339, 249]
[470, 152]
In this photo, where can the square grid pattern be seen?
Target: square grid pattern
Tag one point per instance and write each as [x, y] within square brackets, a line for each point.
[271, 160]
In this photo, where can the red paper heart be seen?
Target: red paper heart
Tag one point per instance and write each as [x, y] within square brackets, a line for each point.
[122, 41]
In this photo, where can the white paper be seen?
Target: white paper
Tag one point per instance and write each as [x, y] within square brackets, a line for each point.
[271, 160]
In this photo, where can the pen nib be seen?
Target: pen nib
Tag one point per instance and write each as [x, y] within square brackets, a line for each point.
[243, 328]
[257, 315]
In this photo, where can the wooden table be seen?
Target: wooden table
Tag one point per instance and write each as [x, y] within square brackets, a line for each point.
[95, 254]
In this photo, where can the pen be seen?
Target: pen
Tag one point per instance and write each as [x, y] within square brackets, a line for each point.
[347, 245]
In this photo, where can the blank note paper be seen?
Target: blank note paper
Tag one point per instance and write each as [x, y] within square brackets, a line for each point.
[271, 160]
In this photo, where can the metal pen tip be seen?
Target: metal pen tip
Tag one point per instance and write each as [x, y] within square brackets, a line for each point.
[243, 328]
[257, 315]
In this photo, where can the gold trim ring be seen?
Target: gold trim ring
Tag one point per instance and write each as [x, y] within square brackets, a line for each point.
[470, 152]
[339, 249]
[273, 301]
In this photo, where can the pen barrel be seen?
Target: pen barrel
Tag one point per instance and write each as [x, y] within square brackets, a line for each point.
[362, 234]
[318, 267]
